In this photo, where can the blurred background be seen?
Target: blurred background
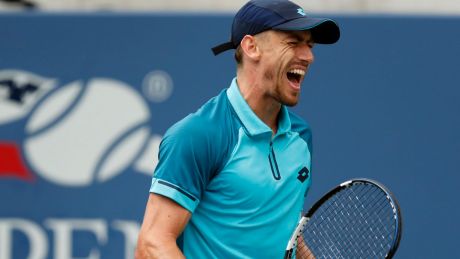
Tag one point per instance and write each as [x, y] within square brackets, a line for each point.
[431, 7]
[88, 88]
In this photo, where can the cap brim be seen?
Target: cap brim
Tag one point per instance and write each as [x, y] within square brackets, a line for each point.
[324, 31]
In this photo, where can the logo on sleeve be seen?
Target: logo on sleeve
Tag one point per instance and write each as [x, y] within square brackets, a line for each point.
[303, 174]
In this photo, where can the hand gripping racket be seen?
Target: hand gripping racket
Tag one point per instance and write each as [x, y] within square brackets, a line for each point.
[359, 218]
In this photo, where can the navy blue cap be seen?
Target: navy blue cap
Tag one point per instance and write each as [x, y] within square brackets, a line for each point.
[258, 16]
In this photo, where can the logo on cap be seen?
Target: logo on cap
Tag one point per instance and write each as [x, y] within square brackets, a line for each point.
[301, 12]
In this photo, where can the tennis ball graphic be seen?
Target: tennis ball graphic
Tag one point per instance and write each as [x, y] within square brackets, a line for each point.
[83, 134]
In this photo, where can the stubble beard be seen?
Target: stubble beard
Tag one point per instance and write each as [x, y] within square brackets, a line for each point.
[276, 93]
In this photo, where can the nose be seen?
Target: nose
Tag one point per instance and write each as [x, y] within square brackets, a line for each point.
[305, 53]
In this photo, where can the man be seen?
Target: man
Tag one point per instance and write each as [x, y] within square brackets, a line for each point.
[232, 177]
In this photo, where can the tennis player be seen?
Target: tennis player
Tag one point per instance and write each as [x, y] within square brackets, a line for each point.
[232, 177]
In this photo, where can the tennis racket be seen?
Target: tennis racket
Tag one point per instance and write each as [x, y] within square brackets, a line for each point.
[359, 218]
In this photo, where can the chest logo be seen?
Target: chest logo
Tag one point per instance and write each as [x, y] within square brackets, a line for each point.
[303, 174]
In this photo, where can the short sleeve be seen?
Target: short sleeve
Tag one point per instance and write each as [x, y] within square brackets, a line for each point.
[188, 159]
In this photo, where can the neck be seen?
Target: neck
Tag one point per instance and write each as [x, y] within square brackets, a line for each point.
[264, 106]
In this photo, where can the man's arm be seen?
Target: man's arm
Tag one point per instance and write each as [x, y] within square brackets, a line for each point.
[164, 221]
[303, 252]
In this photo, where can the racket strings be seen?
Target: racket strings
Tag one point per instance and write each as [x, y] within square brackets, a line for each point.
[334, 232]
[352, 224]
[353, 228]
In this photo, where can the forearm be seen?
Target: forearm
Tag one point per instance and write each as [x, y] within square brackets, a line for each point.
[164, 221]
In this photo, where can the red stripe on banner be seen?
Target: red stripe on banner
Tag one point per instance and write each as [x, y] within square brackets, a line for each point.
[11, 162]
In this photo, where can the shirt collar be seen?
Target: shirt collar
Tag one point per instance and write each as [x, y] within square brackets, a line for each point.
[253, 124]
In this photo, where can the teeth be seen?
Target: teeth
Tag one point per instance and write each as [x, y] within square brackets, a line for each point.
[297, 71]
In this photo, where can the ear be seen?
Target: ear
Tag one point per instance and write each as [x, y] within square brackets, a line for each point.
[250, 48]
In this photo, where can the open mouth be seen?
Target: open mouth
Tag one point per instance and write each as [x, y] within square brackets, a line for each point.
[295, 75]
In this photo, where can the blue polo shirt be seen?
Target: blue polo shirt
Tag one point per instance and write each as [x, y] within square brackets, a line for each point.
[244, 187]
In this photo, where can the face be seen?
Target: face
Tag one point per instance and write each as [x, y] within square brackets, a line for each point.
[285, 58]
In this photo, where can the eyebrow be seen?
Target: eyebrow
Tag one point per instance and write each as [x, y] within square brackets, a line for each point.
[299, 36]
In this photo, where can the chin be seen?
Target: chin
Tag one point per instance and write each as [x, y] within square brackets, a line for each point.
[291, 103]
